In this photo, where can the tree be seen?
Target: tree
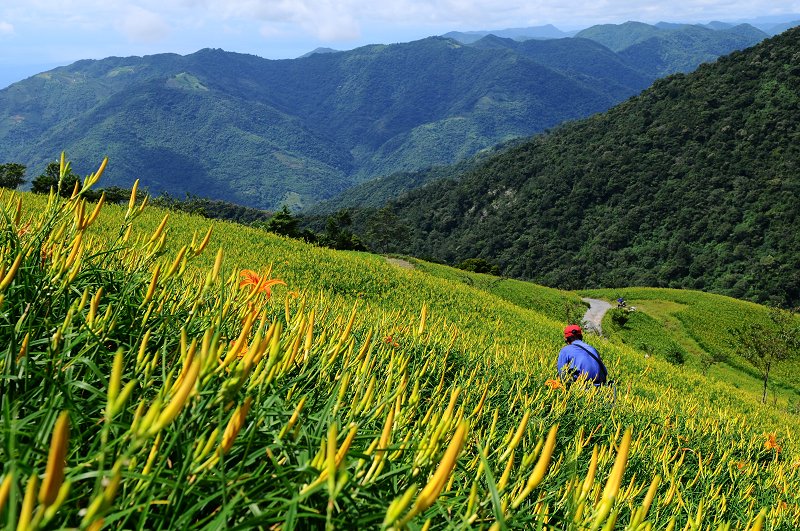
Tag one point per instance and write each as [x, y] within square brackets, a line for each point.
[338, 236]
[12, 174]
[766, 345]
[50, 179]
[385, 232]
[479, 265]
[284, 223]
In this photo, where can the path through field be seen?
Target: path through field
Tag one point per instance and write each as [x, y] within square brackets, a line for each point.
[594, 315]
[399, 262]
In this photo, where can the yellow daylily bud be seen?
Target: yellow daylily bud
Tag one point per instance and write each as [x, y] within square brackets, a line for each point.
[115, 381]
[23, 350]
[5, 489]
[435, 485]
[96, 212]
[422, 318]
[235, 425]
[26, 514]
[204, 243]
[11, 272]
[517, 436]
[178, 400]
[54, 474]
[132, 200]
[157, 234]
[540, 470]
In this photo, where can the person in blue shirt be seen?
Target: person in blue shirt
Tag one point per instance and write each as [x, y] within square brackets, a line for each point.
[578, 358]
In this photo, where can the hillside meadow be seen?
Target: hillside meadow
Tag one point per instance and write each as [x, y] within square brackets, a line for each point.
[696, 327]
[163, 371]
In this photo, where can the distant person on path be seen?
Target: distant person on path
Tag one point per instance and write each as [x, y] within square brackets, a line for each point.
[578, 358]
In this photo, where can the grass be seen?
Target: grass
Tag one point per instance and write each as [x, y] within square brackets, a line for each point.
[559, 305]
[698, 324]
[149, 382]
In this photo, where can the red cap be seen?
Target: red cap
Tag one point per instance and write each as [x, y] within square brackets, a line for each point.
[572, 331]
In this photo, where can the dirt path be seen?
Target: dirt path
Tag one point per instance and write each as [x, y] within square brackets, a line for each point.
[594, 315]
[405, 264]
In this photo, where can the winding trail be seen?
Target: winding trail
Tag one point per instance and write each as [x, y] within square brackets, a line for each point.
[592, 319]
[594, 315]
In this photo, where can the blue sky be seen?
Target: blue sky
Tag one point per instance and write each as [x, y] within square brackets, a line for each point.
[36, 35]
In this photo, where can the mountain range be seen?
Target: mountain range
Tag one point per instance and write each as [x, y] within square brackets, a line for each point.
[547, 31]
[694, 183]
[769, 25]
[264, 133]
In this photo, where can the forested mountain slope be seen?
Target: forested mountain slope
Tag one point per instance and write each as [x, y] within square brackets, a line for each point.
[264, 133]
[694, 183]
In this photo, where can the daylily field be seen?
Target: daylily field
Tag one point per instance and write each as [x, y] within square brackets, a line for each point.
[162, 371]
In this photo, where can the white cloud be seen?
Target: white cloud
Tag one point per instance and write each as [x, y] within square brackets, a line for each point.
[141, 25]
[346, 19]
[264, 26]
[327, 20]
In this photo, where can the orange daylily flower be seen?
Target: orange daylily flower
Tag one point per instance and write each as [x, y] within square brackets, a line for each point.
[554, 384]
[242, 350]
[772, 444]
[389, 340]
[258, 282]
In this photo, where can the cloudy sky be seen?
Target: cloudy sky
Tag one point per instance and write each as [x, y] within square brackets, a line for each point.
[39, 34]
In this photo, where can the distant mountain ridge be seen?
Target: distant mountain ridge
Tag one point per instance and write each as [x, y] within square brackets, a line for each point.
[769, 25]
[692, 184]
[321, 49]
[264, 133]
[668, 48]
[547, 31]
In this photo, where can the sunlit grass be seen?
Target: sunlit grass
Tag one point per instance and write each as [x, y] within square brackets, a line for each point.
[701, 324]
[148, 383]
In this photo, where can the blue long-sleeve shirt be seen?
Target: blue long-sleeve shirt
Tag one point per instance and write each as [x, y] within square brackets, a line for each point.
[574, 361]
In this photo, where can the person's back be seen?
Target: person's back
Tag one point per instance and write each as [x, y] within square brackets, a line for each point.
[579, 358]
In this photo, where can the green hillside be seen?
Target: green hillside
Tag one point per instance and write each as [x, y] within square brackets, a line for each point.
[617, 37]
[151, 381]
[684, 49]
[584, 60]
[263, 133]
[694, 330]
[376, 192]
[692, 184]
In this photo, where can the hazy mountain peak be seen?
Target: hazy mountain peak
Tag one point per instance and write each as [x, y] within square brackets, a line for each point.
[319, 50]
